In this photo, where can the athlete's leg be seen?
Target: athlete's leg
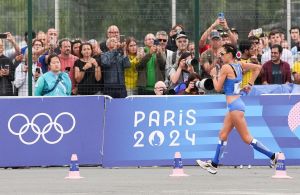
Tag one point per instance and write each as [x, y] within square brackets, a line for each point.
[223, 136]
[211, 166]
[240, 124]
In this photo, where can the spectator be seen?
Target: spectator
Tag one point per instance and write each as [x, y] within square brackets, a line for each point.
[191, 88]
[182, 45]
[286, 55]
[23, 49]
[75, 47]
[151, 67]
[167, 54]
[182, 71]
[67, 61]
[6, 73]
[114, 63]
[225, 38]
[131, 74]
[41, 35]
[285, 45]
[160, 88]
[249, 55]
[54, 82]
[264, 42]
[219, 23]
[87, 71]
[276, 71]
[50, 48]
[176, 30]
[209, 58]
[295, 36]
[112, 31]
[191, 48]
[235, 33]
[296, 70]
[11, 53]
[21, 74]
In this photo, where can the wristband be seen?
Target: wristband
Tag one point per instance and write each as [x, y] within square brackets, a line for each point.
[250, 84]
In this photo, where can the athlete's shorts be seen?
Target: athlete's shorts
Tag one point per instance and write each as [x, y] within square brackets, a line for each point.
[237, 104]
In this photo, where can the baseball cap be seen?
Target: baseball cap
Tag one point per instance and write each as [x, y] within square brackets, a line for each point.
[215, 34]
[181, 35]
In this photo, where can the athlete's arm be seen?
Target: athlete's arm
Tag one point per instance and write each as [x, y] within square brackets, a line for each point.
[218, 79]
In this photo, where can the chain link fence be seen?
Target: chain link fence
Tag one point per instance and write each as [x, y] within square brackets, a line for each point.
[88, 19]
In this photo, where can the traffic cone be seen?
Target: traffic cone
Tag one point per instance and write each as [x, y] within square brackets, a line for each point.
[178, 167]
[280, 172]
[74, 168]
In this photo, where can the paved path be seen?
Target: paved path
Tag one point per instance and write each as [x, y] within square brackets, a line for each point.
[148, 181]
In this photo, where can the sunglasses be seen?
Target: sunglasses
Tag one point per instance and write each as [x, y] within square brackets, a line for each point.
[163, 40]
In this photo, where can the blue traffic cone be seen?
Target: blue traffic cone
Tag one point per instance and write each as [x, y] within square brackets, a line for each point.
[178, 167]
[74, 168]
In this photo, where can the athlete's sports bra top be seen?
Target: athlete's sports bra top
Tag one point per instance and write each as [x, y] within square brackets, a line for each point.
[232, 86]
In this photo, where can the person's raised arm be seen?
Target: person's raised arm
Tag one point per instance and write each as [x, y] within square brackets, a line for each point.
[205, 35]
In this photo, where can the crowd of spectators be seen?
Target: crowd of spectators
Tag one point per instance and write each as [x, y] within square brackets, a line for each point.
[119, 67]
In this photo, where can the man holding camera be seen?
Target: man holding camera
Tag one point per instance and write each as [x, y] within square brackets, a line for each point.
[151, 67]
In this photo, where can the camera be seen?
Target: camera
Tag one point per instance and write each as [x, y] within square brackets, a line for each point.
[193, 62]
[3, 36]
[206, 84]
[257, 32]
[67, 69]
[156, 42]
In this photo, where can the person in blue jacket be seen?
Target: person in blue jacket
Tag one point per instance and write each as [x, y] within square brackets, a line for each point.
[54, 82]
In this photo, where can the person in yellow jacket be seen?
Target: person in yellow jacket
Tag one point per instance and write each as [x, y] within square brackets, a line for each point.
[131, 73]
[296, 70]
[248, 56]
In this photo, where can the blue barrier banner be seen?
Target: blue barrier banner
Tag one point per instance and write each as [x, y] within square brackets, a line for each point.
[47, 131]
[147, 131]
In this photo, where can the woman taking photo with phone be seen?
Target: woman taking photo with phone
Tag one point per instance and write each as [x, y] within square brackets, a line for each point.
[229, 79]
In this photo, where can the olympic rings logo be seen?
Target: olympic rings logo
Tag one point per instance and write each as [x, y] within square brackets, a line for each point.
[38, 131]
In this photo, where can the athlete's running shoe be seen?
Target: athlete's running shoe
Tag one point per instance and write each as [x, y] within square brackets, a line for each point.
[207, 166]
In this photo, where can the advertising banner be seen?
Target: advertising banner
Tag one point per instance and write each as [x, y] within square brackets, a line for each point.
[147, 131]
[47, 131]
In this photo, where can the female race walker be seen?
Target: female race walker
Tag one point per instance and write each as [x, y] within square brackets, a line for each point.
[230, 78]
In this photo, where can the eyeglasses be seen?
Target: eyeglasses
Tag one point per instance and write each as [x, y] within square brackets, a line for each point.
[163, 40]
[182, 41]
[113, 32]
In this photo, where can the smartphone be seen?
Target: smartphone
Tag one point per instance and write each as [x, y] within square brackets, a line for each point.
[3, 36]
[221, 16]
[52, 40]
[156, 42]
[37, 70]
[122, 38]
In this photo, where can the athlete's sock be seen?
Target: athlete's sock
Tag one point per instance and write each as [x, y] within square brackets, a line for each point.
[261, 148]
[219, 152]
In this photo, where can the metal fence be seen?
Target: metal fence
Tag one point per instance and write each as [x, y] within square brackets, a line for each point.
[89, 19]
